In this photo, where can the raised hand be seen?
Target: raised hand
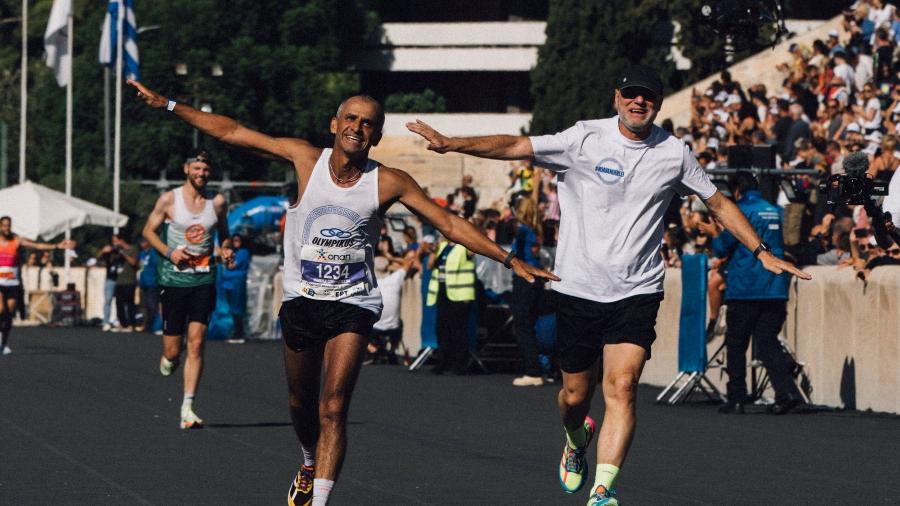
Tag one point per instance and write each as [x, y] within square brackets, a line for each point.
[150, 97]
[437, 142]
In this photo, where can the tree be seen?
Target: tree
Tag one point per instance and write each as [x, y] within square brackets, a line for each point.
[589, 43]
[426, 101]
[284, 72]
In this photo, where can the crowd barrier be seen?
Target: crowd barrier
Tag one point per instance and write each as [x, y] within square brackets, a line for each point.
[846, 331]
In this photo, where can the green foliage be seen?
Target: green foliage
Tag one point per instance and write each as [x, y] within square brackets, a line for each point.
[589, 42]
[426, 101]
[284, 73]
[284, 69]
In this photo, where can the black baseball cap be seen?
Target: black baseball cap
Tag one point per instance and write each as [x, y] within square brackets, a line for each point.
[640, 76]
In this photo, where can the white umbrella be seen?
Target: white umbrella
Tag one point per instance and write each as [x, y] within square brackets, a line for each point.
[39, 212]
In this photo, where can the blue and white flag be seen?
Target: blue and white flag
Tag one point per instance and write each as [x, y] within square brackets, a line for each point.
[56, 39]
[109, 39]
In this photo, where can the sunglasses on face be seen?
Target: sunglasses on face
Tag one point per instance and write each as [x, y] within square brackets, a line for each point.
[894, 252]
[634, 91]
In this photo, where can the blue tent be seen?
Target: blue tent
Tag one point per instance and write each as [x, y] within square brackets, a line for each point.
[259, 215]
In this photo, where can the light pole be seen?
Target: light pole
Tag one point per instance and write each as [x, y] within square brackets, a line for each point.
[194, 84]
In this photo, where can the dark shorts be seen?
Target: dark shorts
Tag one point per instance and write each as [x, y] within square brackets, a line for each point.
[184, 304]
[584, 326]
[308, 322]
[11, 292]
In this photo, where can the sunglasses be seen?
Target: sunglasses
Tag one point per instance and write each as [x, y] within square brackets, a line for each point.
[632, 92]
[894, 252]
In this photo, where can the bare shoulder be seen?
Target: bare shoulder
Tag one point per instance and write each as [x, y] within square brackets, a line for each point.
[166, 200]
[219, 201]
[393, 177]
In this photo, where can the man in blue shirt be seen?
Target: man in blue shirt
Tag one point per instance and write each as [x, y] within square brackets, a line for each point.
[148, 259]
[757, 301]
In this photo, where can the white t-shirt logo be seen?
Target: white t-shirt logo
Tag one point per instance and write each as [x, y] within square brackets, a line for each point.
[609, 170]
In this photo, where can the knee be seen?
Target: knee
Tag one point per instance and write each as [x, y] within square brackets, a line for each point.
[195, 347]
[621, 388]
[332, 411]
[573, 397]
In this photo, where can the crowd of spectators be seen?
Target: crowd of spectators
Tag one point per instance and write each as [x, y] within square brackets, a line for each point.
[840, 96]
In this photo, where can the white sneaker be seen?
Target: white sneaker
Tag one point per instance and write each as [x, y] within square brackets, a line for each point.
[528, 381]
[7, 350]
[166, 366]
[189, 419]
[106, 327]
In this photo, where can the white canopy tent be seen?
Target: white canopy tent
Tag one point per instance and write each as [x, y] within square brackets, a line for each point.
[39, 212]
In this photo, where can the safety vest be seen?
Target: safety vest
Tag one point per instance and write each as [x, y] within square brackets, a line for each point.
[458, 273]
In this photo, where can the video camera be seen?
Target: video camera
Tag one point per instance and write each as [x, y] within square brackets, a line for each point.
[741, 20]
[853, 187]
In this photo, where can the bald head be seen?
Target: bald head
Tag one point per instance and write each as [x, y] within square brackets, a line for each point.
[379, 112]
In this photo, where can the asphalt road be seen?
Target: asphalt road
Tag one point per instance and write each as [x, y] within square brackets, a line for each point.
[85, 418]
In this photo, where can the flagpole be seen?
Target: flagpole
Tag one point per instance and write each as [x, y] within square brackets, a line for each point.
[117, 164]
[23, 104]
[70, 52]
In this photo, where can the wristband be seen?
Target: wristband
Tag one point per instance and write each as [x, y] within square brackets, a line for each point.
[759, 249]
[170, 105]
[169, 252]
[507, 262]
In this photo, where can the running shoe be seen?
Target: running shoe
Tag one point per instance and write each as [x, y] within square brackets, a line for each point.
[603, 497]
[166, 366]
[189, 419]
[7, 350]
[528, 381]
[301, 491]
[573, 469]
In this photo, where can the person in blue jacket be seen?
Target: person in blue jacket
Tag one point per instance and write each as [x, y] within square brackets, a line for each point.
[756, 299]
[148, 259]
[234, 284]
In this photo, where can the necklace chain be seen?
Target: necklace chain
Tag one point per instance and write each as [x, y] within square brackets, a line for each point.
[346, 180]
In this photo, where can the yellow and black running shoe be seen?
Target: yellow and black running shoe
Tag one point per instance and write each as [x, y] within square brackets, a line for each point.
[301, 491]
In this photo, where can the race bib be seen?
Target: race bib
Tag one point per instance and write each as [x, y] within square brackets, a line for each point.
[195, 264]
[332, 273]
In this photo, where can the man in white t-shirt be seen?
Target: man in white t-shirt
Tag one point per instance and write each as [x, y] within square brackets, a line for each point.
[616, 179]
[389, 328]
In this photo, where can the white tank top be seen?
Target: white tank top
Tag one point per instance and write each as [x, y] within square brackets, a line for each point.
[330, 239]
[194, 233]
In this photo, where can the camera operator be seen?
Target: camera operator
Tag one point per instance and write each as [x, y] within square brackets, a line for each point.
[757, 301]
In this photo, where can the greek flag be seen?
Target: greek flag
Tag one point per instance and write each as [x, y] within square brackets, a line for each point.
[109, 42]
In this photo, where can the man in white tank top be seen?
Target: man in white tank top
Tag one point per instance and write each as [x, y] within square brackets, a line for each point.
[187, 271]
[616, 178]
[331, 294]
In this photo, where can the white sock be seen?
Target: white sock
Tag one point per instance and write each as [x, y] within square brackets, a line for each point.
[321, 489]
[188, 401]
[309, 456]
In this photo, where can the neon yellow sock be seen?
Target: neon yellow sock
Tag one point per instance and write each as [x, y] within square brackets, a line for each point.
[606, 475]
[577, 438]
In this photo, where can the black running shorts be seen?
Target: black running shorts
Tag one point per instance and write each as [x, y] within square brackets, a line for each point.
[584, 326]
[308, 322]
[10, 292]
[184, 304]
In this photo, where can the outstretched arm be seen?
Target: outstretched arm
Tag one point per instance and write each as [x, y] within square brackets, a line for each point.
[403, 188]
[46, 246]
[498, 147]
[731, 217]
[228, 130]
